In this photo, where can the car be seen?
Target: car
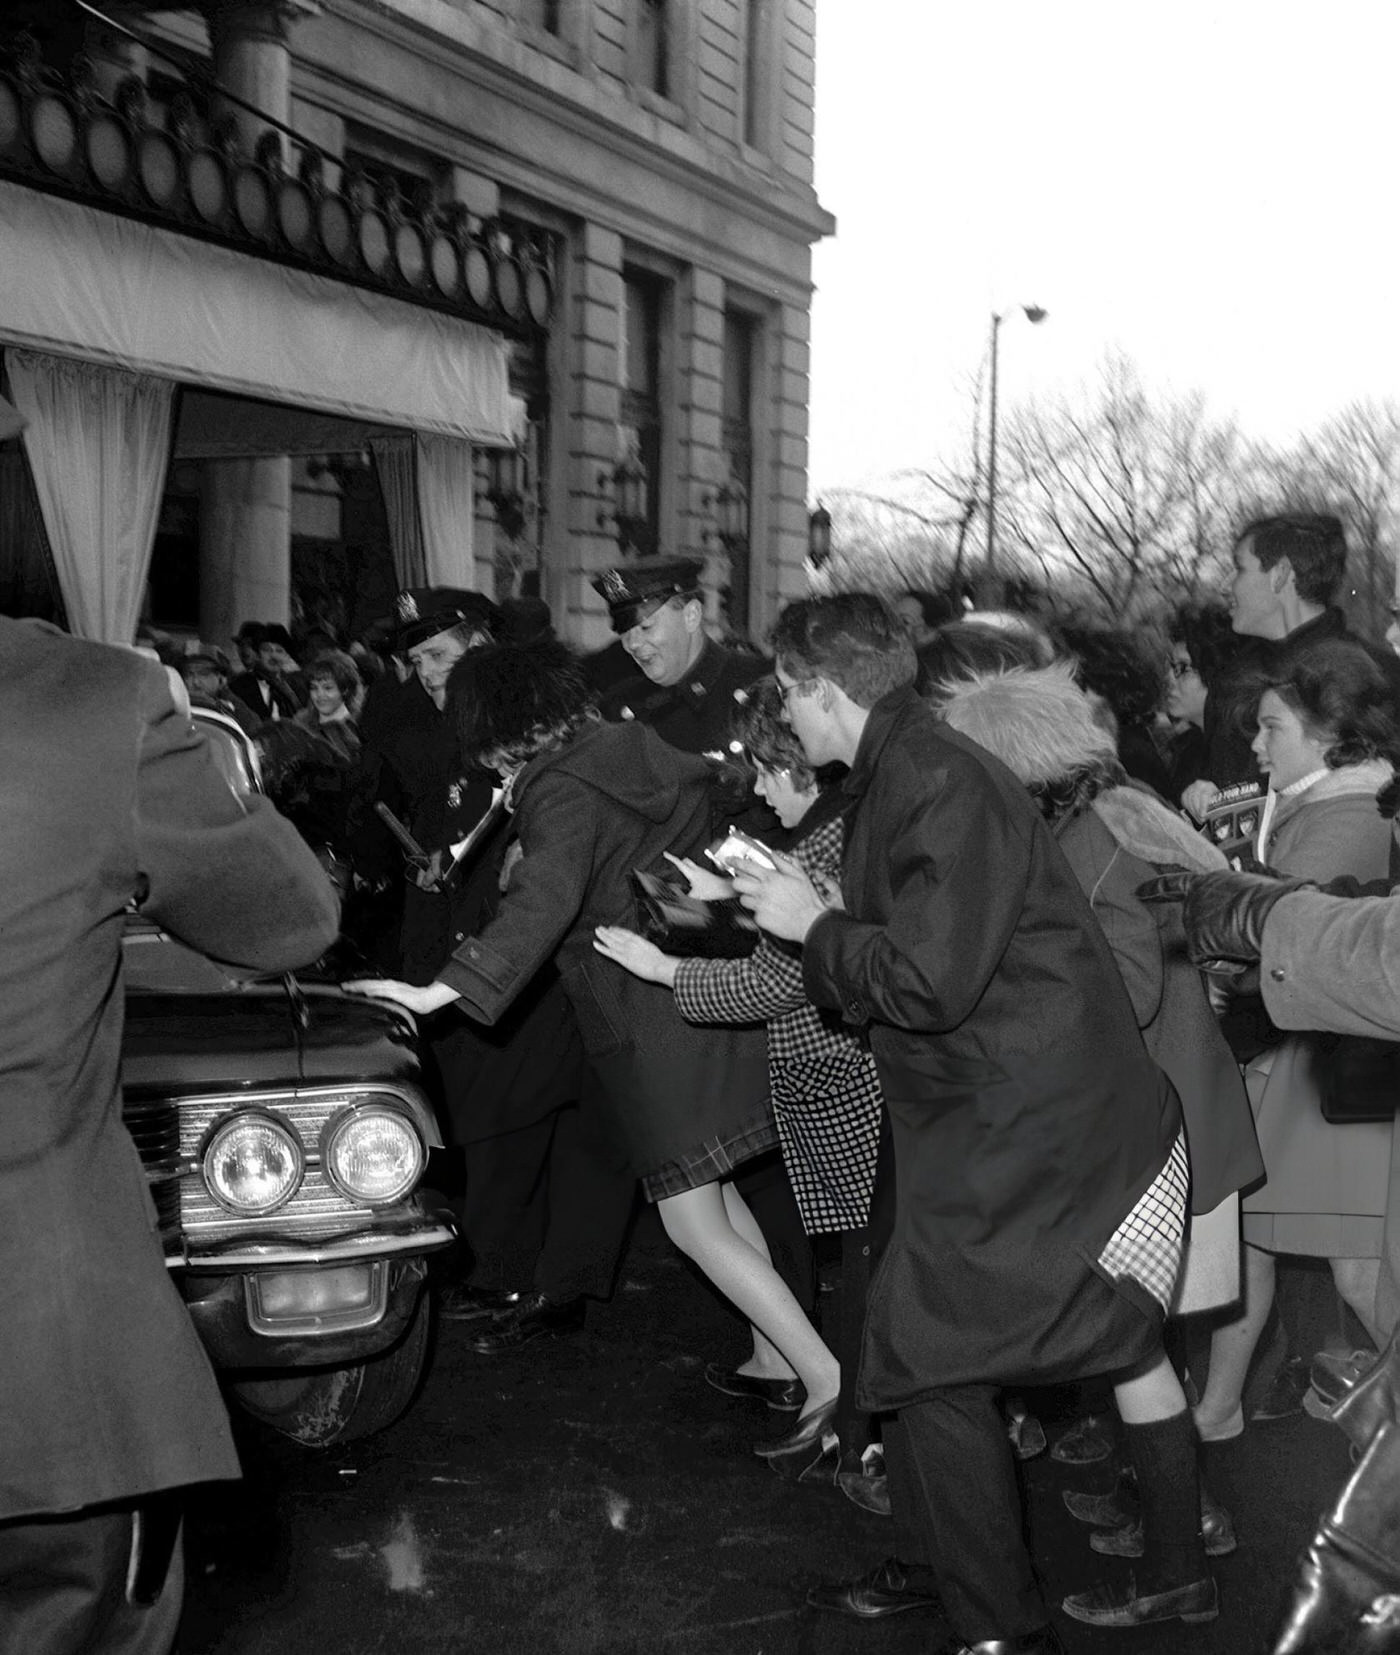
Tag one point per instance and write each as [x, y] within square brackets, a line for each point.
[285, 1128]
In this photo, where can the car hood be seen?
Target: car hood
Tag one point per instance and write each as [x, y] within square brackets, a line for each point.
[253, 1036]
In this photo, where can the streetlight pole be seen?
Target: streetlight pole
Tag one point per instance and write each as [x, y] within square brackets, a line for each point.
[1033, 313]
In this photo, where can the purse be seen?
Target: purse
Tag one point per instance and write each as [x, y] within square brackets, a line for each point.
[682, 925]
[1358, 1077]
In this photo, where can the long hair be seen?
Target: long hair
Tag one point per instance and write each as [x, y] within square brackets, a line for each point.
[515, 701]
[1041, 725]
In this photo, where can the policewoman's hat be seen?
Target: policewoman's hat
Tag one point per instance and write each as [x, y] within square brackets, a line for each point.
[422, 612]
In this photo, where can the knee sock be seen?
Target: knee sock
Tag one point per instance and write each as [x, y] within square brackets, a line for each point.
[1163, 1454]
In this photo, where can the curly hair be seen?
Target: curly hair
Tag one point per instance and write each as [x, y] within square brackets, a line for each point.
[1119, 666]
[760, 727]
[514, 701]
[1203, 630]
[1341, 696]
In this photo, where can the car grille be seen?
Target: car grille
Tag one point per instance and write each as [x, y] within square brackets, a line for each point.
[317, 1210]
[154, 1124]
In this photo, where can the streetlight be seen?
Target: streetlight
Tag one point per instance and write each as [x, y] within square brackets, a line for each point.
[1033, 313]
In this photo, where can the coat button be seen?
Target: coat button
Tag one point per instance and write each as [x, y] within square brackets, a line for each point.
[1278, 974]
[459, 936]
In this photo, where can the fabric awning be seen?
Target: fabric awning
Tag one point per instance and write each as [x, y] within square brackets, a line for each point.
[77, 281]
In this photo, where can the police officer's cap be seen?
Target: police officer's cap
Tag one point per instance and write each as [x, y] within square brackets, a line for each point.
[634, 592]
[422, 612]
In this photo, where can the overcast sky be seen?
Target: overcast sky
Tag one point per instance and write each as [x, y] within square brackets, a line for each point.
[1211, 187]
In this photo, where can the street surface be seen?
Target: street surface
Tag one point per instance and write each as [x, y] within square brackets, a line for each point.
[591, 1495]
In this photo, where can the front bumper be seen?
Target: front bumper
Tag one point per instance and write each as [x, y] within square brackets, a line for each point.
[278, 1304]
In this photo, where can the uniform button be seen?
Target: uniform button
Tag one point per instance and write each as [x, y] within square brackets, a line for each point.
[1278, 974]
[473, 953]
[459, 936]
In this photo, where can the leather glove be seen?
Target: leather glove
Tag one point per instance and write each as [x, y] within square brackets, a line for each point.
[1223, 913]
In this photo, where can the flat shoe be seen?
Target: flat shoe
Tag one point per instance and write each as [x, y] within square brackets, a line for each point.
[870, 1493]
[884, 1590]
[807, 1433]
[781, 1394]
[1217, 1534]
[1101, 1511]
[1121, 1605]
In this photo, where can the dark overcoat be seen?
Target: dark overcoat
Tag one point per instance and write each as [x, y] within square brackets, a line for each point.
[613, 799]
[1026, 1115]
[693, 714]
[107, 793]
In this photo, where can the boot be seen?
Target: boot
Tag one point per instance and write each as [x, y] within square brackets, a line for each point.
[1347, 1597]
[1374, 1400]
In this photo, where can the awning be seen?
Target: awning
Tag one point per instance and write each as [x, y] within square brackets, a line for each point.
[76, 281]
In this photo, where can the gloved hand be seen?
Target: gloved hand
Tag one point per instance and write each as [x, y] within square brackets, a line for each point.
[1223, 913]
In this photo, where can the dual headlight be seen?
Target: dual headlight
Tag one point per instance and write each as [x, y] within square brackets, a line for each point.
[255, 1161]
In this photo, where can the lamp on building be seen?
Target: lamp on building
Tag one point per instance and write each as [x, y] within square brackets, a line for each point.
[729, 509]
[819, 536]
[626, 488]
[508, 483]
[1033, 313]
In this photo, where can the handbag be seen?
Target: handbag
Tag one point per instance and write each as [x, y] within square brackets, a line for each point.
[1358, 1077]
[683, 925]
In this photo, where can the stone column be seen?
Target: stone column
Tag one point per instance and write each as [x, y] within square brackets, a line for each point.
[245, 558]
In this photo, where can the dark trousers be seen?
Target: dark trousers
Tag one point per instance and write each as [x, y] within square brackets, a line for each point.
[843, 1326]
[957, 1511]
[548, 1206]
[78, 1582]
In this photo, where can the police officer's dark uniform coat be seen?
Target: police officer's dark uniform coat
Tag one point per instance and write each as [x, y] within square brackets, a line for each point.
[1027, 1118]
[694, 713]
[108, 793]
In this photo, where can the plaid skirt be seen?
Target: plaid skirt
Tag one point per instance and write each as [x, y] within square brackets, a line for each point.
[708, 1162]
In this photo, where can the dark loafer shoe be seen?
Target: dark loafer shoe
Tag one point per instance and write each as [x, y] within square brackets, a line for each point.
[1102, 1511]
[885, 1590]
[462, 1303]
[782, 1394]
[1086, 1443]
[1120, 1605]
[534, 1317]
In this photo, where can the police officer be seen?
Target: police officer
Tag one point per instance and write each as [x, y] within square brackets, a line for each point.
[409, 763]
[681, 682]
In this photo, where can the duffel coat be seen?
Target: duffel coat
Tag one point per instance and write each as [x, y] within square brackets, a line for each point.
[1026, 1115]
[107, 793]
[613, 799]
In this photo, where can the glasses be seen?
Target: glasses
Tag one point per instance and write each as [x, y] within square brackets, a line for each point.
[1180, 669]
[801, 686]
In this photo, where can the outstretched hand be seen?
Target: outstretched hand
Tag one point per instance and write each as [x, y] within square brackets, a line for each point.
[420, 998]
[702, 883]
[635, 954]
[1223, 914]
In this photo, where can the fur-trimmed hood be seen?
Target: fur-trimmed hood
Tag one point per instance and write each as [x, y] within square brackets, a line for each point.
[1036, 720]
[1142, 824]
[1344, 783]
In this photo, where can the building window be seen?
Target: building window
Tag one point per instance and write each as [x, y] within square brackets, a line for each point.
[736, 439]
[653, 47]
[643, 309]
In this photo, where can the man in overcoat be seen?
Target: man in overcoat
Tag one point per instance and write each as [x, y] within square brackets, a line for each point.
[1027, 1122]
[108, 796]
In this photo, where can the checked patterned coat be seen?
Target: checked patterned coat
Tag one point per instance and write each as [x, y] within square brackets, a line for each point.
[825, 1094]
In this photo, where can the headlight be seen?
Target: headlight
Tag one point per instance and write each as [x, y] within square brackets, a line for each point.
[253, 1163]
[372, 1154]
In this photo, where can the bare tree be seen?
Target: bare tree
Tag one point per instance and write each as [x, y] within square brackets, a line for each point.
[1134, 495]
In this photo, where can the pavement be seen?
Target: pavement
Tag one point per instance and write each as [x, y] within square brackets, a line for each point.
[591, 1495]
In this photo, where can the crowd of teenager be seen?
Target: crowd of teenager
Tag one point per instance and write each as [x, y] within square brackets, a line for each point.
[948, 1034]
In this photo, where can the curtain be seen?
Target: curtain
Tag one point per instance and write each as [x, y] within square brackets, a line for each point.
[98, 441]
[445, 510]
[394, 463]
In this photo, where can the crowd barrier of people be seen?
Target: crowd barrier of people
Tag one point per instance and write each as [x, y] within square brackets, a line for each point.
[1039, 991]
